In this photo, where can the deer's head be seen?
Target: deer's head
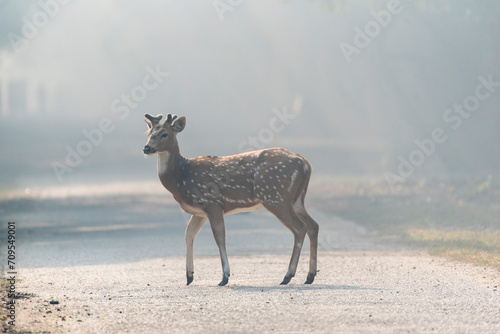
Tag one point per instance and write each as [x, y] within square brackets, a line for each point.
[161, 136]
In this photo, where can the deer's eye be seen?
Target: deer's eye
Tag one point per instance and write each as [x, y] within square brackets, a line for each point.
[164, 135]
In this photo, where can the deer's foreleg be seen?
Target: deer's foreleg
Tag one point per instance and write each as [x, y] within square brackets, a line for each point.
[192, 229]
[216, 218]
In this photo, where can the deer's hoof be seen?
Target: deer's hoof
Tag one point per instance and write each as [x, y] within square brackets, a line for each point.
[224, 281]
[310, 278]
[286, 280]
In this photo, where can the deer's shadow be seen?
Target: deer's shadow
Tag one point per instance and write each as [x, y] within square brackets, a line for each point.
[301, 287]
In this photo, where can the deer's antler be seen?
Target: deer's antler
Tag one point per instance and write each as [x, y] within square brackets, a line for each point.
[170, 118]
[152, 120]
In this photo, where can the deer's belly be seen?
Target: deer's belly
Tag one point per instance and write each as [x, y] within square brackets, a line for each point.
[192, 210]
[245, 209]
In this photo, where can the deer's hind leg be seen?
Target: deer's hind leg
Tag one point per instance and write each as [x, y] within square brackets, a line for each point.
[292, 221]
[311, 226]
[312, 232]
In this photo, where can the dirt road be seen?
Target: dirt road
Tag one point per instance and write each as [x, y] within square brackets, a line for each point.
[105, 274]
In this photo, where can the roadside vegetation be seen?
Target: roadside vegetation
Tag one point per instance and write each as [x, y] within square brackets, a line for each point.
[6, 328]
[459, 219]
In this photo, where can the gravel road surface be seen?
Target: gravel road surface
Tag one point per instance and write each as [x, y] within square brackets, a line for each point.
[121, 269]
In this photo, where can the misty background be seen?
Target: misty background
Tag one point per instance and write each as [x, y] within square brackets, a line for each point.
[233, 67]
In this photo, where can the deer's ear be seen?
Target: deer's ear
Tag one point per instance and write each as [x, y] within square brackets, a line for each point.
[179, 124]
[148, 122]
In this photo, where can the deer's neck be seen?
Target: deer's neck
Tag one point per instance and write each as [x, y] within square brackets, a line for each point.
[172, 169]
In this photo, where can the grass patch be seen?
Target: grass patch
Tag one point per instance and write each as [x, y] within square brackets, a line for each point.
[479, 247]
[456, 219]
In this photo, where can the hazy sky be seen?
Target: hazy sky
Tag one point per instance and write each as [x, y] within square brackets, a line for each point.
[355, 86]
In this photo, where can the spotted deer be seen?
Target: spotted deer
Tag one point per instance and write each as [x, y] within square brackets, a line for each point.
[211, 187]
